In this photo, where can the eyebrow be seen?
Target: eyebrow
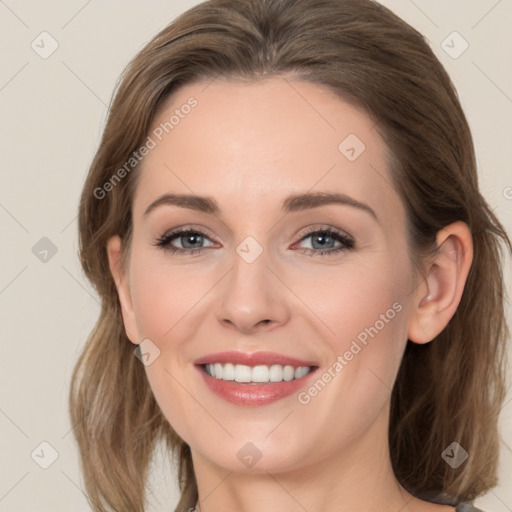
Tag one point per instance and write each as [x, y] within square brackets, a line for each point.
[293, 203]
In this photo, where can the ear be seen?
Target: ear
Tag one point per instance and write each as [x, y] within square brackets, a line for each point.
[123, 288]
[438, 297]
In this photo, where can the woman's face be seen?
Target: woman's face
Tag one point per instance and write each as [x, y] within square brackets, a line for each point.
[268, 278]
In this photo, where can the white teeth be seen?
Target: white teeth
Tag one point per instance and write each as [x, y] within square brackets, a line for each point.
[257, 374]
[260, 374]
[228, 371]
[242, 373]
[289, 372]
[301, 371]
[276, 373]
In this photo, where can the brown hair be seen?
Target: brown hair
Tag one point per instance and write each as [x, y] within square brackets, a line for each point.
[448, 390]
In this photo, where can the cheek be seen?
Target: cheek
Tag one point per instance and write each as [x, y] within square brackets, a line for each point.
[355, 310]
[354, 297]
[365, 311]
[167, 302]
[356, 300]
[364, 307]
[164, 294]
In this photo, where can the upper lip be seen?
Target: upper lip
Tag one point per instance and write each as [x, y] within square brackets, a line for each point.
[253, 359]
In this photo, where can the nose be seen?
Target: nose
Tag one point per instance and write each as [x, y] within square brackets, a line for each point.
[253, 298]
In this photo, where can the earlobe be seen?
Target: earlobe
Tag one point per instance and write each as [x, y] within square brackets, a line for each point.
[439, 296]
[123, 288]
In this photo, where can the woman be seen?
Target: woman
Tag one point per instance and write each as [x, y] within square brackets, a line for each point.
[283, 219]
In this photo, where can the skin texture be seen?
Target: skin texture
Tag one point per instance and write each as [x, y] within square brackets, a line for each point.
[249, 146]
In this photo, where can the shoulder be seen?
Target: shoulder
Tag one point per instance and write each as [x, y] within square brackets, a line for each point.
[467, 507]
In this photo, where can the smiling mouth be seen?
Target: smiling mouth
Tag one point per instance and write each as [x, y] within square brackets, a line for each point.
[259, 374]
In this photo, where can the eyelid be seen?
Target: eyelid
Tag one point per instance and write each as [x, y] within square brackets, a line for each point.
[196, 228]
[174, 233]
[330, 229]
[346, 240]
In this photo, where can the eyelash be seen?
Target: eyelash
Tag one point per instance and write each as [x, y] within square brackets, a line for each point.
[347, 242]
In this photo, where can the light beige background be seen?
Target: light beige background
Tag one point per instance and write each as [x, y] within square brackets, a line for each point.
[52, 114]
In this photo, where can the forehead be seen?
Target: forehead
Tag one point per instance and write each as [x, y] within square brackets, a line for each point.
[251, 144]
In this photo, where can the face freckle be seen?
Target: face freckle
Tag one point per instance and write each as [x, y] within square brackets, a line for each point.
[260, 282]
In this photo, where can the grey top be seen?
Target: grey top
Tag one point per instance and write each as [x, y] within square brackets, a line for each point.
[467, 507]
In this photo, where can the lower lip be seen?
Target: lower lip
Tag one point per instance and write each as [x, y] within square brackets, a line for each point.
[253, 394]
